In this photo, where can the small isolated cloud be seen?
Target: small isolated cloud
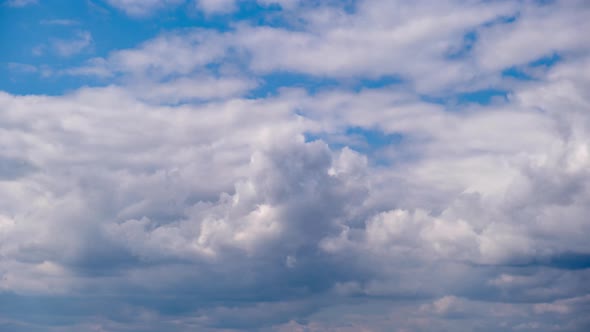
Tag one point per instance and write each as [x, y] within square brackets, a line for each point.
[96, 67]
[68, 47]
[143, 8]
[63, 22]
[38, 50]
[216, 6]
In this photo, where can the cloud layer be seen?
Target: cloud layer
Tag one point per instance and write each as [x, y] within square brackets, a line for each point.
[358, 166]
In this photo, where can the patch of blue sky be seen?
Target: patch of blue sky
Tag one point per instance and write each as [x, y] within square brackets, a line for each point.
[21, 82]
[504, 19]
[517, 73]
[469, 39]
[483, 97]
[271, 83]
[523, 72]
[369, 141]
[376, 83]
[30, 61]
[256, 14]
[547, 61]
[373, 138]
[26, 29]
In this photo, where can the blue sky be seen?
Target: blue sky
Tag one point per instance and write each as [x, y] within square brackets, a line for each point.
[288, 165]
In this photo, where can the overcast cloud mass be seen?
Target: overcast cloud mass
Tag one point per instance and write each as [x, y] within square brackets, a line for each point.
[291, 165]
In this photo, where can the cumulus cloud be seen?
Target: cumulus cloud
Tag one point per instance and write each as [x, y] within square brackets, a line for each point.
[178, 197]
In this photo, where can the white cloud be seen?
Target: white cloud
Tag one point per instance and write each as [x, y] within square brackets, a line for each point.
[191, 89]
[379, 38]
[216, 6]
[168, 54]
[142, 8]
[504, 45]
[69, 47]
[230, 182]
[171, 184]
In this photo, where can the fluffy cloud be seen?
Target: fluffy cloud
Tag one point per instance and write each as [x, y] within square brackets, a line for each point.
[180, 197]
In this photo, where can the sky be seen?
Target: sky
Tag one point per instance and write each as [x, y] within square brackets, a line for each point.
[291, 165]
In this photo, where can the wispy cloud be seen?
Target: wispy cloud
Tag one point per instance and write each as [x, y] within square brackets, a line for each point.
[22, 67]
[68, 47]
[143, 8]
[20, 3]
[64, 22]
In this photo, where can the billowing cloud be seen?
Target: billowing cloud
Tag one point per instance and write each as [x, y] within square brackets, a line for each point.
[367, 166]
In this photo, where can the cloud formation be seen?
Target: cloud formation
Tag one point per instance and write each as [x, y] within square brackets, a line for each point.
[358, 166]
